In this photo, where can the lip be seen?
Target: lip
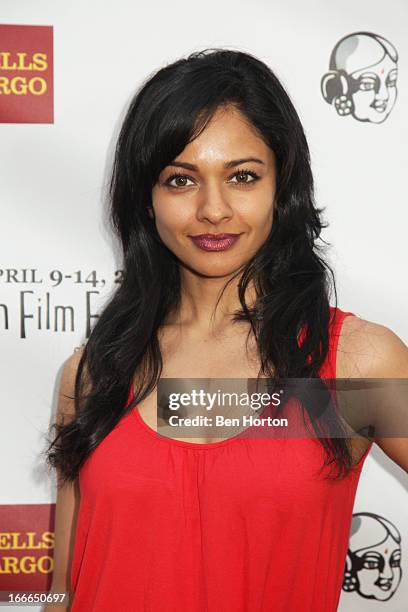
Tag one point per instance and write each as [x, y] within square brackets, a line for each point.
[215, 242]
[380, 106]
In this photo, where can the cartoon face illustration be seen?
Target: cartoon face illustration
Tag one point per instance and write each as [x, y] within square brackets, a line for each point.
[362, 80]
[373, 565]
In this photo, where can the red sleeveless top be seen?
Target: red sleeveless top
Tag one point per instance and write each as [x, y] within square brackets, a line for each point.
[238, 525]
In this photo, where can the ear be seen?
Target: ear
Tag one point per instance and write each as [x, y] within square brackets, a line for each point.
[150, 212]
[334, 84]
[350, 581]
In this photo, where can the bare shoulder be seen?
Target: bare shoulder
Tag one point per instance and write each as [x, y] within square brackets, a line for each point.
[369, 349]
[70, 366]
[67, 384]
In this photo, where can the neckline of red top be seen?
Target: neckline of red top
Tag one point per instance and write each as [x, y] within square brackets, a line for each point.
[185, 443]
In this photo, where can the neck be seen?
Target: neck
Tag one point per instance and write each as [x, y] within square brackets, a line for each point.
[199, 310]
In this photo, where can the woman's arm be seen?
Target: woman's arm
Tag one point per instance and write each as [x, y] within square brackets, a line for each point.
[68, 495]
[392, 362]
[375, 351]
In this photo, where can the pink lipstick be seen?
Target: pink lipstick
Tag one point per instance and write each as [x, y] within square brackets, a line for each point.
[215, 242]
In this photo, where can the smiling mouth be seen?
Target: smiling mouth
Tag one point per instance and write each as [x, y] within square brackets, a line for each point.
[380, 107]
[385, 587]
[215, 242]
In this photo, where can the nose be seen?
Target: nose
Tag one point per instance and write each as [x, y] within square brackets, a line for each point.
[382, 92]
[387, 572]
[213, 205]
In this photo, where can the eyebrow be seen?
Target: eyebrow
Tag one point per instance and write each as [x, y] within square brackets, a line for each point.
[230, 164]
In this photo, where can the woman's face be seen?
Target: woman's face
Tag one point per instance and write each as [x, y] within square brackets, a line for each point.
[217, 191]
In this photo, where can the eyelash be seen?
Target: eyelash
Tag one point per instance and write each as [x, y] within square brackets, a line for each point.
[254, 175]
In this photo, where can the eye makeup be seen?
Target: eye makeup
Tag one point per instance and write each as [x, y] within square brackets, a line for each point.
[255, 176]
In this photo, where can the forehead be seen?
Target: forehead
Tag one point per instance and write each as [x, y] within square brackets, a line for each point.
[227, 135]
[381, 68]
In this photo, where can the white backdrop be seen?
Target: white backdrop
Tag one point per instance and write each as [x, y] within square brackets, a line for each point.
[54, 177]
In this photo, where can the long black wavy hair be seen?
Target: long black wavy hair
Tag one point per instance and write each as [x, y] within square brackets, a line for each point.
[292, 279]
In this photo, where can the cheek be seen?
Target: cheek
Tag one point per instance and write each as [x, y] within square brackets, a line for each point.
[258, 214]
[363, 97]
[171, 222]
[261, 208]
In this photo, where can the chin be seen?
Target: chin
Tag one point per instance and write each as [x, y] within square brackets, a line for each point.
[213, 270]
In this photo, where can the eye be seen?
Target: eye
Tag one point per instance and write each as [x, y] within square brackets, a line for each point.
[245, 174]
[367, 84]
[395, 560]
[181, 179]
[178, 176]
[370, 564]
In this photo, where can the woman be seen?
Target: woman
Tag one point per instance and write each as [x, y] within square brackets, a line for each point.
[212, 199]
